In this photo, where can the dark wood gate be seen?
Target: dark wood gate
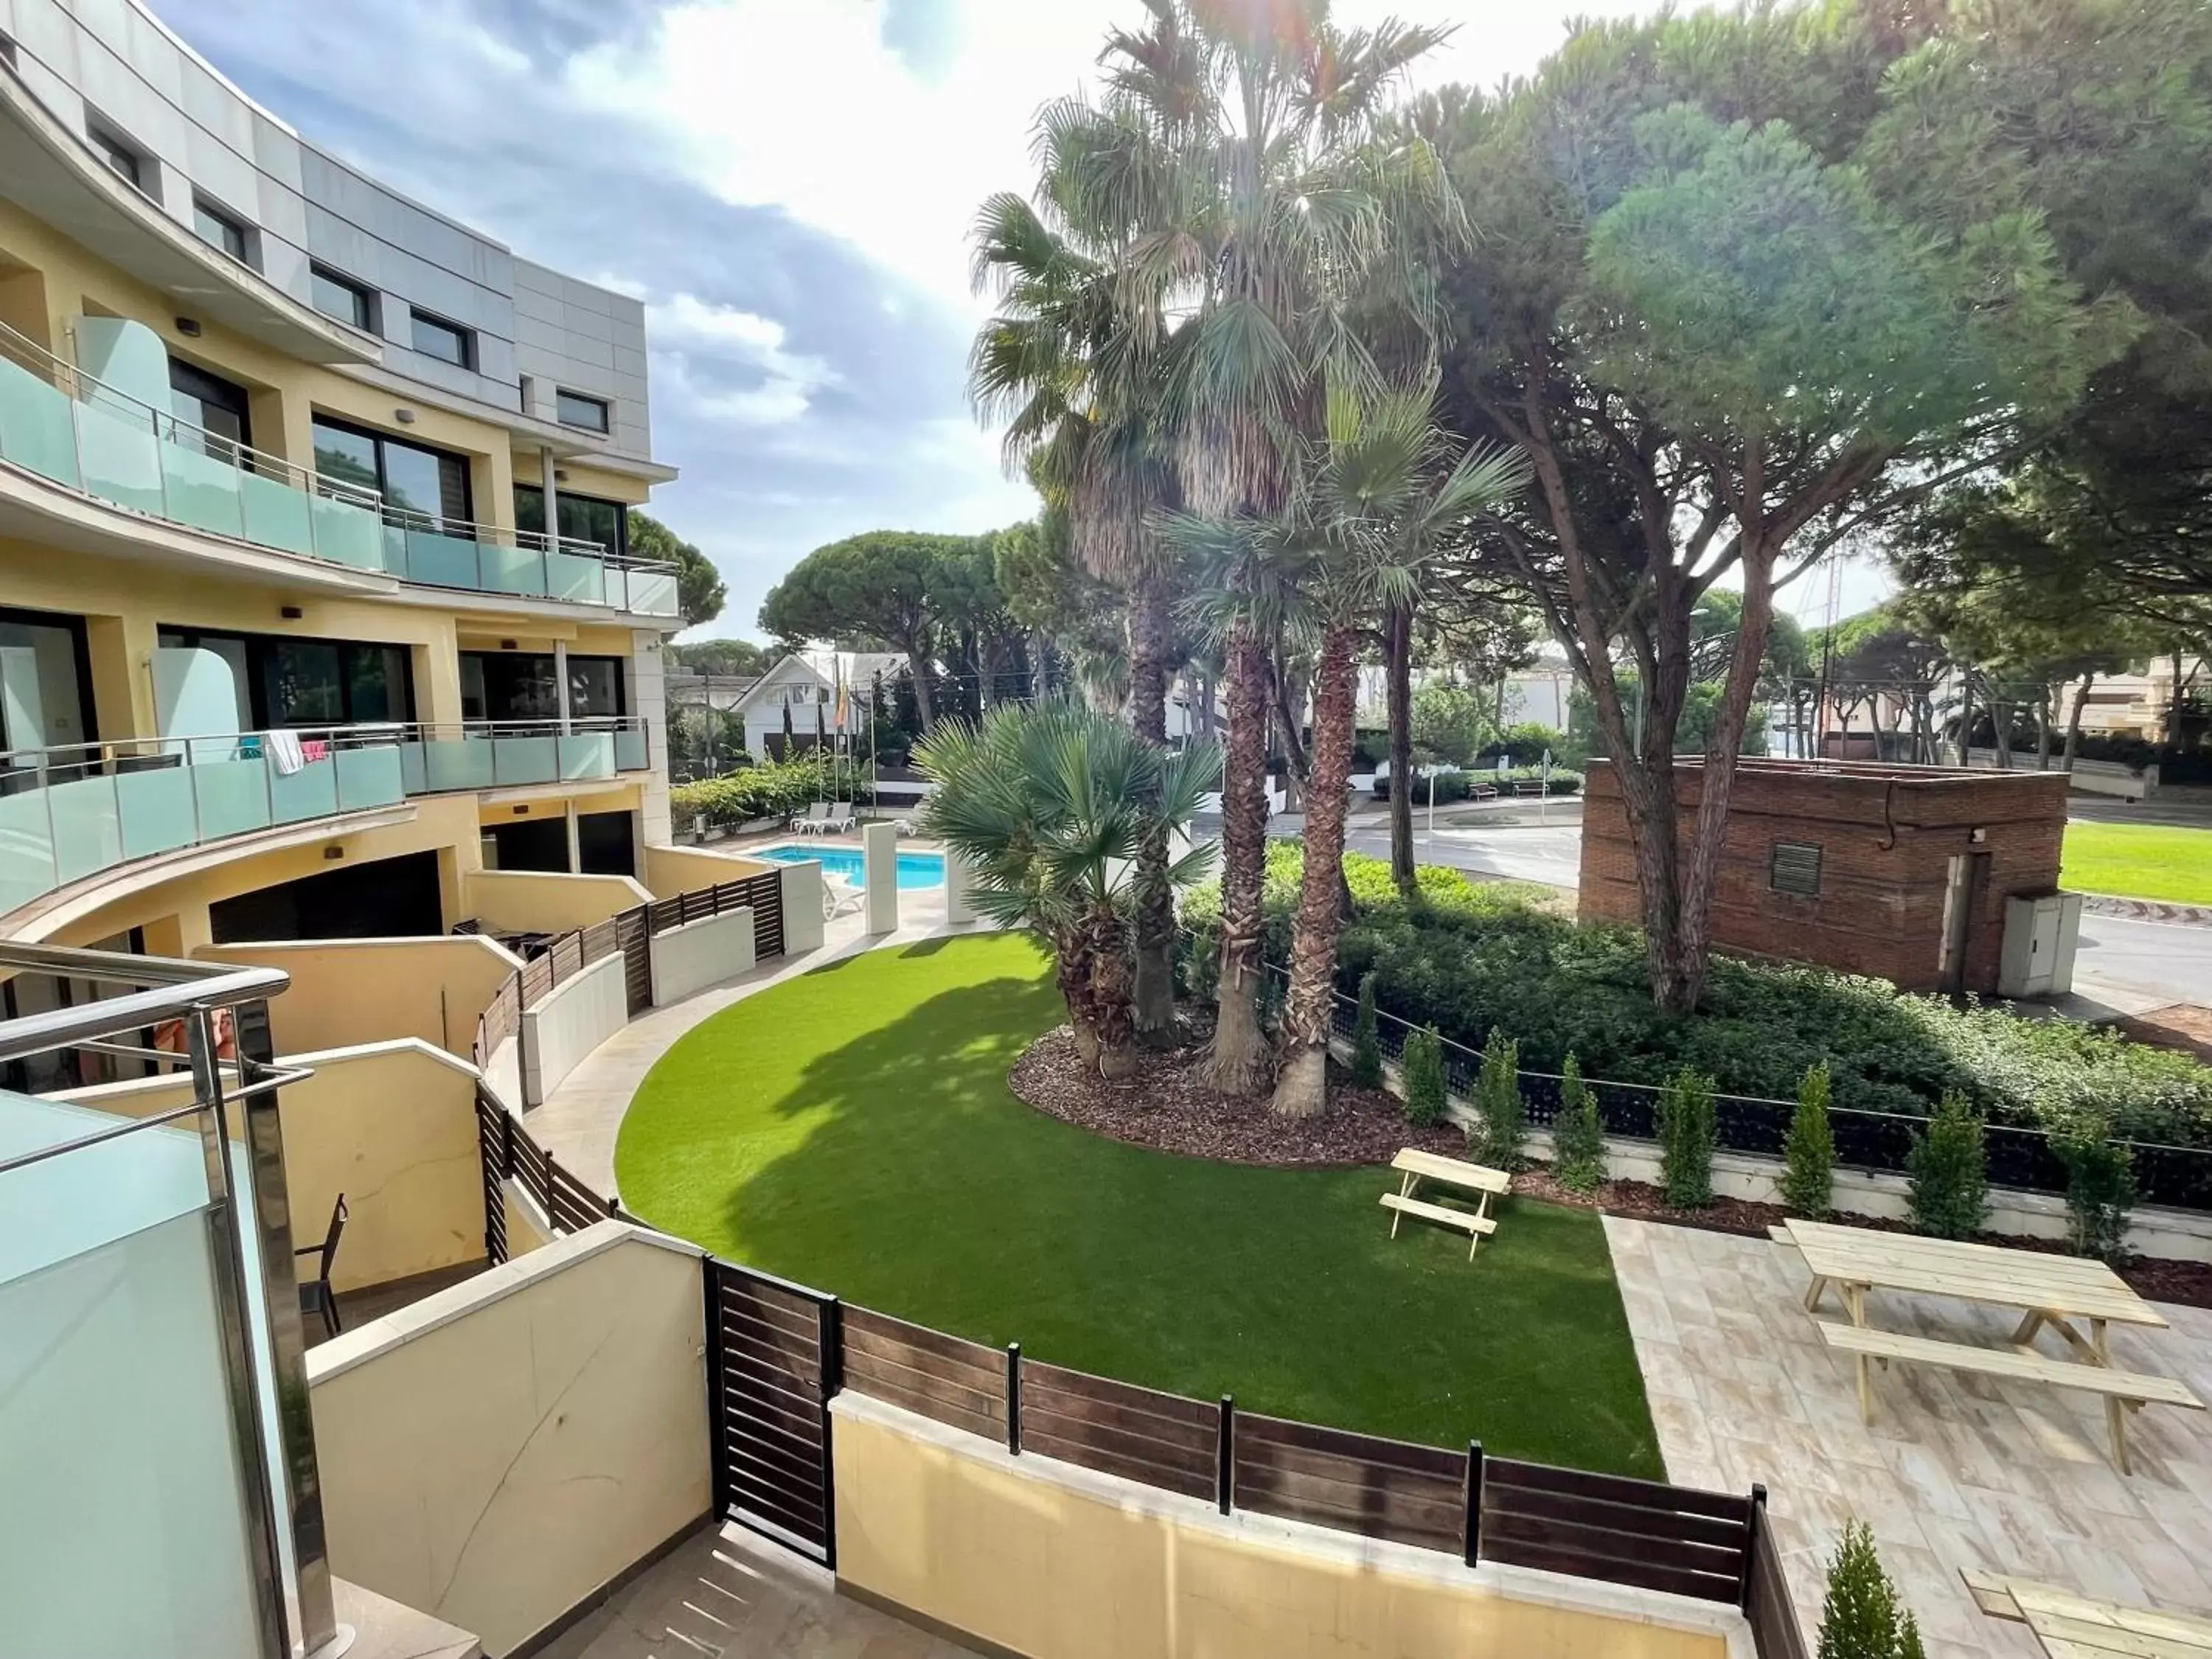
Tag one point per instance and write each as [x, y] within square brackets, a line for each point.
[772, 1369]
[633, 938]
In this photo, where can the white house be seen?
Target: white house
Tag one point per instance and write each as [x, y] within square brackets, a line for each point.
[805, 684]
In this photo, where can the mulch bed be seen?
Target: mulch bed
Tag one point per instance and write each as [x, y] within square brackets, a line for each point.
[1168, 1107]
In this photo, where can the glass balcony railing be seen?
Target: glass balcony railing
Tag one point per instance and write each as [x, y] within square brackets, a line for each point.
[68, 813]
[87, 437]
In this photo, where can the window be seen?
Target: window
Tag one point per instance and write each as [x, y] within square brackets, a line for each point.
[212, 404]
[219, 229]
[286, 680]
[427, 488]
[521, 685]
[130, 164]
[583, 518]
[574, 408]
[449, 342]
[7, 51]
[342, 298]
[1793, 867]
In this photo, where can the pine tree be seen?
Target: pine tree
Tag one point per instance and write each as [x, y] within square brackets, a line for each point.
[1577, 1133]
[1422, 1066]
[1950, 1187]
[1498, 1103]
[1809, 1156]
[1862, 1618]
[1366, 1044]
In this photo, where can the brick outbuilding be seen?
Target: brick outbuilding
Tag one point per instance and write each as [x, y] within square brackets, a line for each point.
[1901, 872]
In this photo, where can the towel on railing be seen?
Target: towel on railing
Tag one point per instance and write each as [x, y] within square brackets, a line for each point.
[314, 748]
[287, 752]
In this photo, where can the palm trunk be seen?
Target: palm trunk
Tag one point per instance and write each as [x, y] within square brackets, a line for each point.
[1239, 1063]
[1301, 1081]
[1398, 693]
[2074, 723]
[1148, 716]
[1110, 993]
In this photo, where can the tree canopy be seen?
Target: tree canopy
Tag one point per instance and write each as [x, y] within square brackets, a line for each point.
[700, 591]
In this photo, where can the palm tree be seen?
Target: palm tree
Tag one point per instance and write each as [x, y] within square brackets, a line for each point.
[1234, 170]
[1380, 496]
[1049, 804]
[1077, 377]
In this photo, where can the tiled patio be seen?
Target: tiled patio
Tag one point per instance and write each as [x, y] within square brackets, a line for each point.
[718, 1596]
[1954, 1472]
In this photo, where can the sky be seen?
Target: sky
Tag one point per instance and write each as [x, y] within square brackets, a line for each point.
[788, 186]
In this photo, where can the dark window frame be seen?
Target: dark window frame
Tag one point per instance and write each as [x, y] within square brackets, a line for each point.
[363, 313]
[562, 397]
[619, 547]
[464, 338]
[81, 645]
[543, 663]
[258, 653]
[339, 423]
[115, 149]
[229, 225]
[227, 395]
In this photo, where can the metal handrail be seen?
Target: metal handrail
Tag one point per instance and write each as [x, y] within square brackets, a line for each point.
[469, 530]
[95, 756]
[67, 378]
[173, 989]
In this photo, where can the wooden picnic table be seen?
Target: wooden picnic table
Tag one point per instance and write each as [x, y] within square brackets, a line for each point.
[1417, 1166]
[2051, 1291]
[2075, 1626]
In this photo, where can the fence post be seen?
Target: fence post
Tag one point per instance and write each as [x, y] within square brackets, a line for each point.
[829, 1346]
[718, 1467]
[1472, 1536]
[1014, 1398]
[1225, 1456]
[1751, 1530]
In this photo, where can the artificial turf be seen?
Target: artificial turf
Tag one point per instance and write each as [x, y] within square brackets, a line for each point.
[2139, 861]
[851, 1129]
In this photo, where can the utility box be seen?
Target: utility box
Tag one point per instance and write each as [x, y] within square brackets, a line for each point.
[2041, 933]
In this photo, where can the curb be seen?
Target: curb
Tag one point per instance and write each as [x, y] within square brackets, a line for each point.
[2134, 909]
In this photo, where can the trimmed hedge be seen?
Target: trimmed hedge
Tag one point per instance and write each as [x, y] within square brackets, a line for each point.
[1471, 957]
[775, 790]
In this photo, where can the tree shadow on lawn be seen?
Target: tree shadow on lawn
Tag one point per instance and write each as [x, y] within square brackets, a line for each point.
[908, 1178]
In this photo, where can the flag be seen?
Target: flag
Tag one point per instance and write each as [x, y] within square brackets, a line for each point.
[844, 702]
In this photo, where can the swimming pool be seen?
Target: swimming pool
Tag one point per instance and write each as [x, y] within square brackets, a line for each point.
[914, 869]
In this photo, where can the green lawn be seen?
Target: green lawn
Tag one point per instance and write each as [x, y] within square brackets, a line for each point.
[852, 1129]
[2139, 861]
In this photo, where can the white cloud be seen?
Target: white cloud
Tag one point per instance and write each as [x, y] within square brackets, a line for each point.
[685, 331]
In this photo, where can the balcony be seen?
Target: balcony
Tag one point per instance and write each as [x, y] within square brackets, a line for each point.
[69, 813]
[94, 440]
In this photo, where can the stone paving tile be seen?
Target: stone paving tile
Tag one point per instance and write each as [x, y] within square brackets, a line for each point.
[1953, 1472]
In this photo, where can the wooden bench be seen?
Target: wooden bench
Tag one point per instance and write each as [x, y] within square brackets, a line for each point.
[2070, 1625]
[1417, 1166]
[2124, 1391]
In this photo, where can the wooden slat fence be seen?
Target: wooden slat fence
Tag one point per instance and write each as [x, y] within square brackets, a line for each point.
[773, 1353]
[1357, 1483]
[946, 1377]
[1118, 1428]
[1774, 1628]
[1621, 1530]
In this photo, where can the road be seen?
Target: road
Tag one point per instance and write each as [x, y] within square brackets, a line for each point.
[2124, 964]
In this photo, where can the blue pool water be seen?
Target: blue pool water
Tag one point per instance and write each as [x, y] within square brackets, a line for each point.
[914, 869]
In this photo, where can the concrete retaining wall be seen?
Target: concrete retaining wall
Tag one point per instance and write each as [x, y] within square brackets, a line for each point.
[571, 1020]
[802, 908]
[701, 953]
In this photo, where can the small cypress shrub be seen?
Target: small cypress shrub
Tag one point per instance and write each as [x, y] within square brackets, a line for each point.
[1808, 1157]
[1950, 1186]
[1577, 1133]
[1423, 1065]
[2100, 1190]
[1685, 1139]
[1504, 1122]
[1862, 1618]
[1366, 1044]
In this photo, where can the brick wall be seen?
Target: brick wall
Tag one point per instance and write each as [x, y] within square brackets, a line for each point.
[1886, 836]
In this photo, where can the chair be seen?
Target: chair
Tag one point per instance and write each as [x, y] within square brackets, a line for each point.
[316, 1295]
[808, 822]
[840, 898]
[839, 819]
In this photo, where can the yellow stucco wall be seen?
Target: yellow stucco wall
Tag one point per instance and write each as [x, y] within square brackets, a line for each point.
[390, 1125]
[672, 870]
[531, 1433]
[1091, 1568]
[352, 991]
[528, 900]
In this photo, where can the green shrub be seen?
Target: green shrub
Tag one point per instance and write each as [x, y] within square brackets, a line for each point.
[1503, 1119]
[1423, 1067]
[2100, 1191]
[1686, 1140]
[1808, 1157]
[776, 790]
[1950, 1196]
[1862, 1618]
[1366, 1046]
[1465, 956]
[1577, 1133]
